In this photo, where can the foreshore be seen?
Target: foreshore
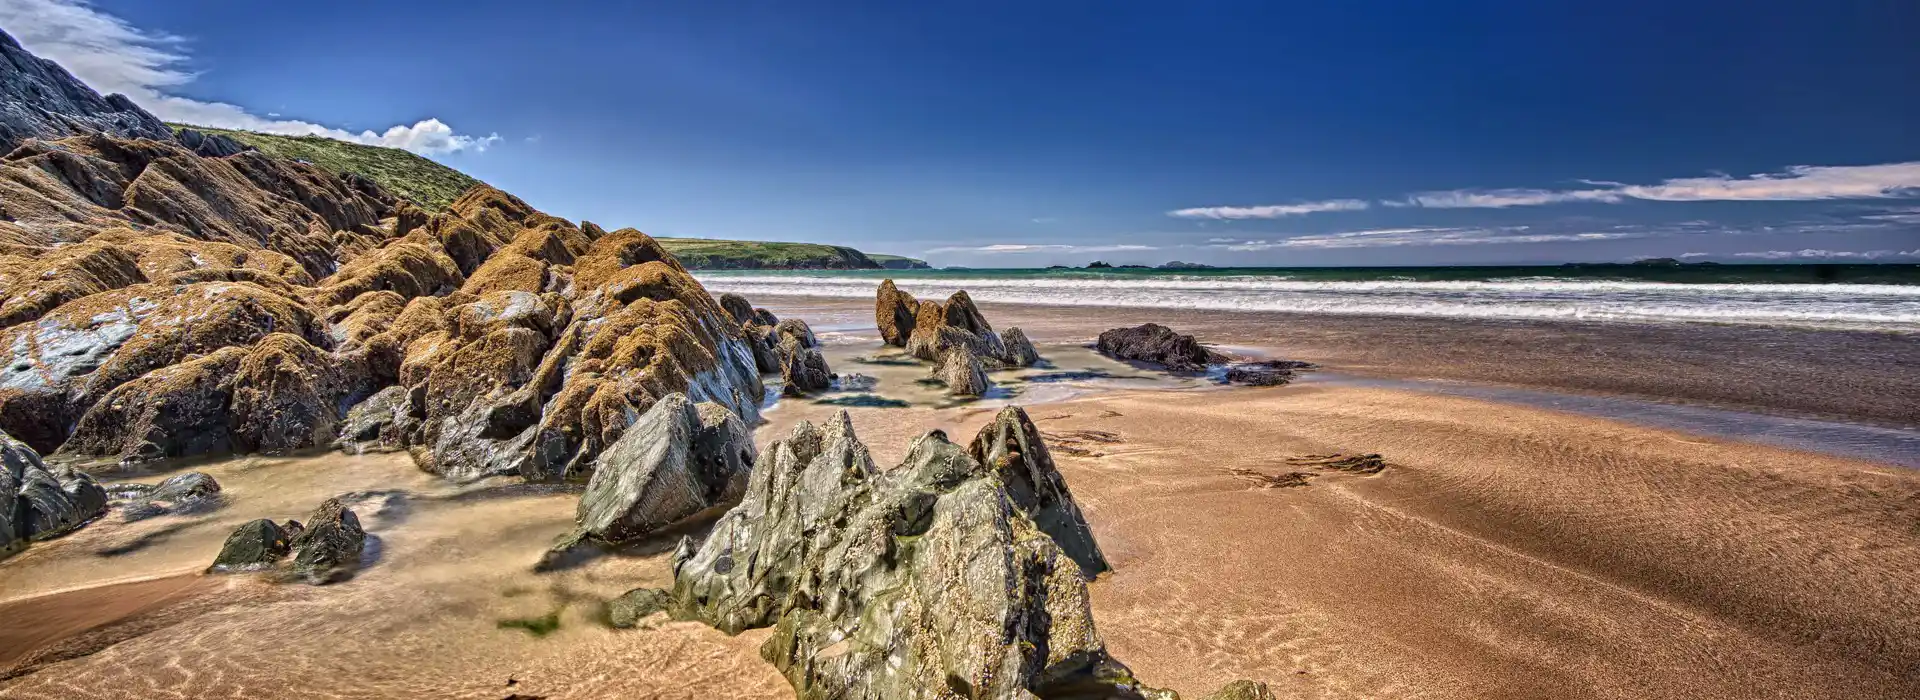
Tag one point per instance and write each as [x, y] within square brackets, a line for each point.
[1505, 551]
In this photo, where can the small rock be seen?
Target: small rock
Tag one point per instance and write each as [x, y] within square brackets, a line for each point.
[328, 550]
[798, 329]
[183, 488]
[962, 372]
[256, 544]
[1020, 352]
[627, 610]
[803, 368]
[1156, 344]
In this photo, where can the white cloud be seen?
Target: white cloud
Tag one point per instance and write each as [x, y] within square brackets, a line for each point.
[111, 55]
[1813, 253]
[1271, 211]
[1399, 237]
[1004, 248]
[1796, 183]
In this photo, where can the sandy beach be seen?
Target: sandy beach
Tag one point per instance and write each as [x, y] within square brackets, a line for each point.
[1506, 550]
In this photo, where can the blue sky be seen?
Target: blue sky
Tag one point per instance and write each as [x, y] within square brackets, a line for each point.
[1016, 134]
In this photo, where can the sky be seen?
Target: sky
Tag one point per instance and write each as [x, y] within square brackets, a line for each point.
[1016, 134]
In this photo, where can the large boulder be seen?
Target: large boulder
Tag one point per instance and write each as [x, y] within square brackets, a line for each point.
[1157, 344]
[803, 368]
[1019, 350]
[37, 503]
[1013, 448]
[928, 580]
[328, 550]
[962, 372]
[894, 312]
[677, 461]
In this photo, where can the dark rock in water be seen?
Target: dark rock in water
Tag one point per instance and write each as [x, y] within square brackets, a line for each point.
[1013, 448]
[763, 317]
[292, 529]
[962, 372]
[798, 329]
[1019, 350]
[864, 401]
[893, 312]
[182, 488]
[38, 503]
[923, 580]
[328, 550]
[39, 99]
[766, 349]
[627, 610]
[1157, 344]
[675, 462]
[1267, 373]
[737, 308]
[803, 368]
[256, 544]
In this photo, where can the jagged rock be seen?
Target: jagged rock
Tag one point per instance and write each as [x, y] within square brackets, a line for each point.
[962, 372]
[803, 368]
[39, 99]
[1019, 350]
[328, 549]
[1156, 344]
[211, 145]
[737, 308]
[1013, 448]
[894, 313]
[256, 544]
[766, 350]
[37, 503]
[763, 317]
[381, 420]
[798, 329]
[675, 462]
[927, 580]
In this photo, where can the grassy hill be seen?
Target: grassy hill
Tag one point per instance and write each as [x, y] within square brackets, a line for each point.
[715, 254]
[898, 262]
[434, 186]
[429, 184]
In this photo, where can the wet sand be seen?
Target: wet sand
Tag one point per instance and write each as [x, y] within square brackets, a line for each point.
[1848, 375]
[1507, 552]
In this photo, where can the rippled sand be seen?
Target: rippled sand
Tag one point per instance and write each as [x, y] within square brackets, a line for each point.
[1508, 552]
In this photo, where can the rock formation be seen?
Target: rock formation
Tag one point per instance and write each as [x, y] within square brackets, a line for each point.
[163, 298]
[962, 372]
[894, 314]
[675, 462]
[1157, 344]
[1265, 373]
[932, 330]
[802, 368]
[255, 545]
[328, 550]
[38, 503]
[1013, 448]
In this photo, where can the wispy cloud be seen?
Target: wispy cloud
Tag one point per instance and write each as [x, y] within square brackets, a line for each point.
[1813, 254]
[1271, 211]
[1004, 248]
[1443, 236]
[113, 56]
[1796, 183]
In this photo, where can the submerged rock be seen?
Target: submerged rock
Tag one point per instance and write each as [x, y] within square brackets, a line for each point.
[328, 549]
[627, 610]
[1267, 373]
[676, 461]
[255, 545]
[1156, 344]
[38, 503]
[962, 372]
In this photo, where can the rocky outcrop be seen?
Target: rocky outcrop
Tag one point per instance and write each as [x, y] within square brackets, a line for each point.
[210, 145]
[1157, 344]
[255, 545]
[928, 580]
[928, 329]
[676, 461]
[1014, 450]
[38, 503]
[803, 369]
[962, 372]
[1019, 351]
[894, 314]
[39, 99]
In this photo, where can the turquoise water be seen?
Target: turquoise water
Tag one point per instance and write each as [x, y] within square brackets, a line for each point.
[1872, 297]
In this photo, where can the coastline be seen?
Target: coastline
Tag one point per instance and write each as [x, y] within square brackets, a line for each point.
[1870, 377]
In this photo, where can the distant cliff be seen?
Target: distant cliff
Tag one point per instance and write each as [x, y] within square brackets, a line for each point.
[716, 254]
[899, 262]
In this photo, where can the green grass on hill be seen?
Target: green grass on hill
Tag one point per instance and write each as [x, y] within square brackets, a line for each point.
[429, 184]
[713, 254]
[896, 262]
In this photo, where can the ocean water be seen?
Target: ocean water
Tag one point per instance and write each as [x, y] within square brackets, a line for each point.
[1867, 297]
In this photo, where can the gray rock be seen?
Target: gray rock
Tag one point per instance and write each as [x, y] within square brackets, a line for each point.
[256, 544]
[675, 462]
[328, 549]
[928, 580]
[962, 372]
[1157, 344]
[182, 488]
[798, 329]
[1013, 448]
[379, 420]
[803, 368]
[1019, 350]
[39, 99]
[37, 503]
[211, 145]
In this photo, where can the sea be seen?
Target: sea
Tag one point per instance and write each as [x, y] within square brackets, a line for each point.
[1852, 297]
